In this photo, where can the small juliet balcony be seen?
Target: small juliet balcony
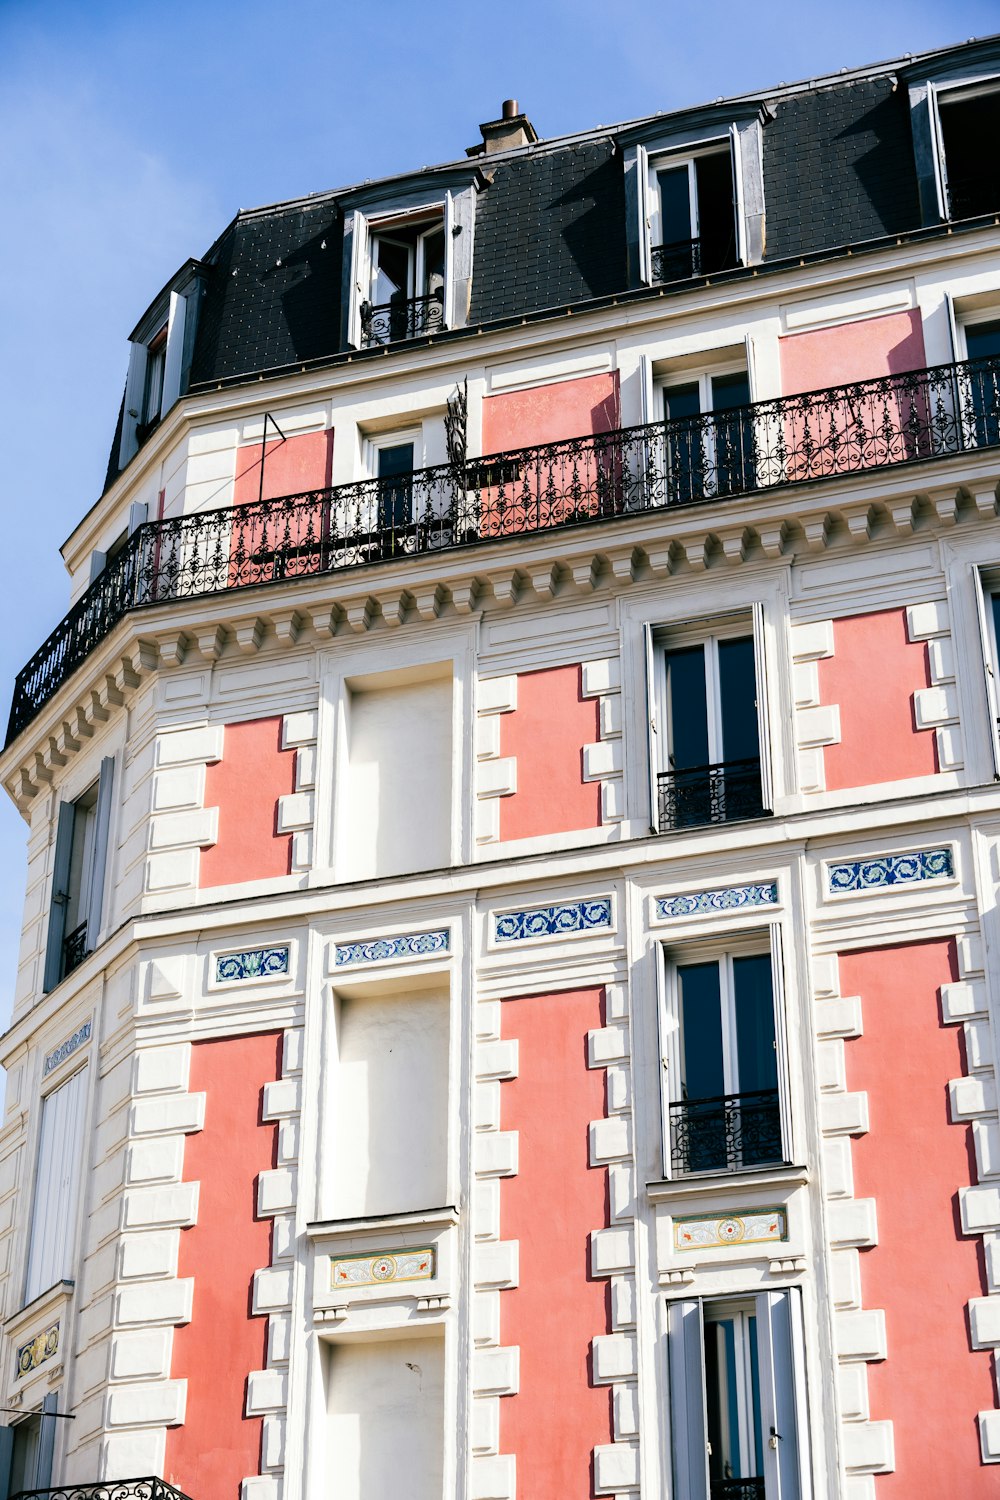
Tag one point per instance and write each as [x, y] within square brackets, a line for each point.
[682, 260]
[107, 1489]
[728, 1134]
[401, 318]
[729, 792]
[915, 417]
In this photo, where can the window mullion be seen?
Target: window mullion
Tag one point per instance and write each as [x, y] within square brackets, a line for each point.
[713, 698]
[727, 989]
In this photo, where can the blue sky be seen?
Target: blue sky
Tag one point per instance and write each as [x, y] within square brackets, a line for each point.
[133, 132]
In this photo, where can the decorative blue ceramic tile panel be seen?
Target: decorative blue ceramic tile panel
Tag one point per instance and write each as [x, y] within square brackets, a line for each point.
[552, 921]
[727, 898]
[889, 869]
[255, 963]
[409, 945]
[66, 1048]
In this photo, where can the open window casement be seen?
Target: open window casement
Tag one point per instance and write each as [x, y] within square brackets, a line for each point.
[763, 718]
[986, 611]
[652, 727]
[78, 872]
[736, 1412]
[356, 240]
[59, 898]
[57, 1185]
[780, 1043]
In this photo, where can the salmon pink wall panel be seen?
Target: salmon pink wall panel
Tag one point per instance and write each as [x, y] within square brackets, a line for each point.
[218, 1446]
[923, 1271]
[551, 1207]
[549, 413]
[851, 351]
[872, 676]
[546, 734]
[303, 462]
[245, 786]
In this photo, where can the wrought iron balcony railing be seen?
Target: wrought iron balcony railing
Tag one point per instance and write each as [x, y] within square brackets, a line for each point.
[401, 318]
[107, 1489]
[919, 415]
[969, 197]
[738, 1489]
[683, 259]
[74, 949]
[725, 793]
[727, 1133]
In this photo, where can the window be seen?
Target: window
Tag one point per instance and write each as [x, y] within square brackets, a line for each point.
[26, 1449]
[724, 1100]
[737, 1398]
[57, 1186]
[709, 437]
[969, 122]
[406, 297]
[708, 722]
[77, 900]
[162, 348]
[693, 226]
[152, 395]
[987, 591]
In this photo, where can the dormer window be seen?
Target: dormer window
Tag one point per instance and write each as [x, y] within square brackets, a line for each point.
[693, 226]
[152, 396]
[407, 281]
[970, 122]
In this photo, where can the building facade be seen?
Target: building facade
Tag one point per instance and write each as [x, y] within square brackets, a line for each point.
[509, 986]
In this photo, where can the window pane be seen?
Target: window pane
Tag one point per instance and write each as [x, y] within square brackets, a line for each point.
[757, 1449]
[995, 607]
[433, 262]
[729, 391]
[395, 467]
[393, 262]
[716, 211]
[687, 708]
[982, 340]
[756, 1057]
[973, 175]
[680, 401]
[732, 1397]
[701, 1031]
[675, 205]
[738, 691]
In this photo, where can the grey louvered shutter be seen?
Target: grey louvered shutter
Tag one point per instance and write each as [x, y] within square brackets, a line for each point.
[688, 1428]
[60, 895]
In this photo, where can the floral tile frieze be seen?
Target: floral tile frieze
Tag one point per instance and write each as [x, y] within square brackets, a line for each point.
[253, 963]
[382, 1268]
[36, 1351]
[750, 1227]
[67, 1048]
[405, 945]
[725, 899]
[552, 921]
[887, 870]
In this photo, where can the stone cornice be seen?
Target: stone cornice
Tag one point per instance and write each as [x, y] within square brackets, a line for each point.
[767, 526]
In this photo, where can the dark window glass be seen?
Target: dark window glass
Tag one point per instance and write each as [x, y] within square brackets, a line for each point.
[970, 128]
[716, 212]
[982, 340]
[685, 447]
[393, 261]
[675, 205]
[738, 692]
[756, 1058]
[701, 1031]
[395, 469]
[687, 708]
[733, 434]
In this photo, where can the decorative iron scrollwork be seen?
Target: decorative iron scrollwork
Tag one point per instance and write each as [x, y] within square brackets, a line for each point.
[727, 1133]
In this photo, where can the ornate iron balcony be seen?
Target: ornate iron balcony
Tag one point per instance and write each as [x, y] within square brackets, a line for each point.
[725, 793]
[677, 261]
[401, 318]
[738, 1489]
[74, 949]
[107, 1489]
[969, 197]
[727, 1133]
[920, 415]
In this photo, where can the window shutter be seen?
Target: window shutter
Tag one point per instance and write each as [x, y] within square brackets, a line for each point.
[779, 1343]
[360, 290]
[138, 512]
[102, 824]
[6, 1454]
[688, 1427]
[46, 1441]
[57, 1185]
[60, 893]
[653, 729]
[778, 999]
[763, 719]
[739, 215]
[448, 311]
[988, 647]
[97, 562]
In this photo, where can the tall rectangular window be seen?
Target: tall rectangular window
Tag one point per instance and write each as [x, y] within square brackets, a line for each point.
[970, 122]
[737, 1423]
[57, 1186]
[79, 864]
[709, 437]
[694, 215]
[724, 1099]
[407, 280]
[708, 744]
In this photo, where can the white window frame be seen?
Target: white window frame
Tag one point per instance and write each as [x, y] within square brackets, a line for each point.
[372, 445]
[660, 638]
[667, 160]
[417, 254]
[93, 877]
[71, 1155]
[781, 1393]
[701, 375]
[952, 93]
[720, 948]
[986, 583]
[714, 1313]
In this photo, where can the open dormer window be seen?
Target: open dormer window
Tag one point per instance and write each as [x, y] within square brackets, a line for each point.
[162, 347]
[152, 396]
[407, 281]
[693, 226]
[970, 122]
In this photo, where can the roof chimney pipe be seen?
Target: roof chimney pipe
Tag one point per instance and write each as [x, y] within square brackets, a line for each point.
[513, 129]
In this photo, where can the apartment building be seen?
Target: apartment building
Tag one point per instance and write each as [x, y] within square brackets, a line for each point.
[509, 986]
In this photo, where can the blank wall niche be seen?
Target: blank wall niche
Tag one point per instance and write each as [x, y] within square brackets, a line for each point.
[385, 1404]
[389, 1135]
[394, 786]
